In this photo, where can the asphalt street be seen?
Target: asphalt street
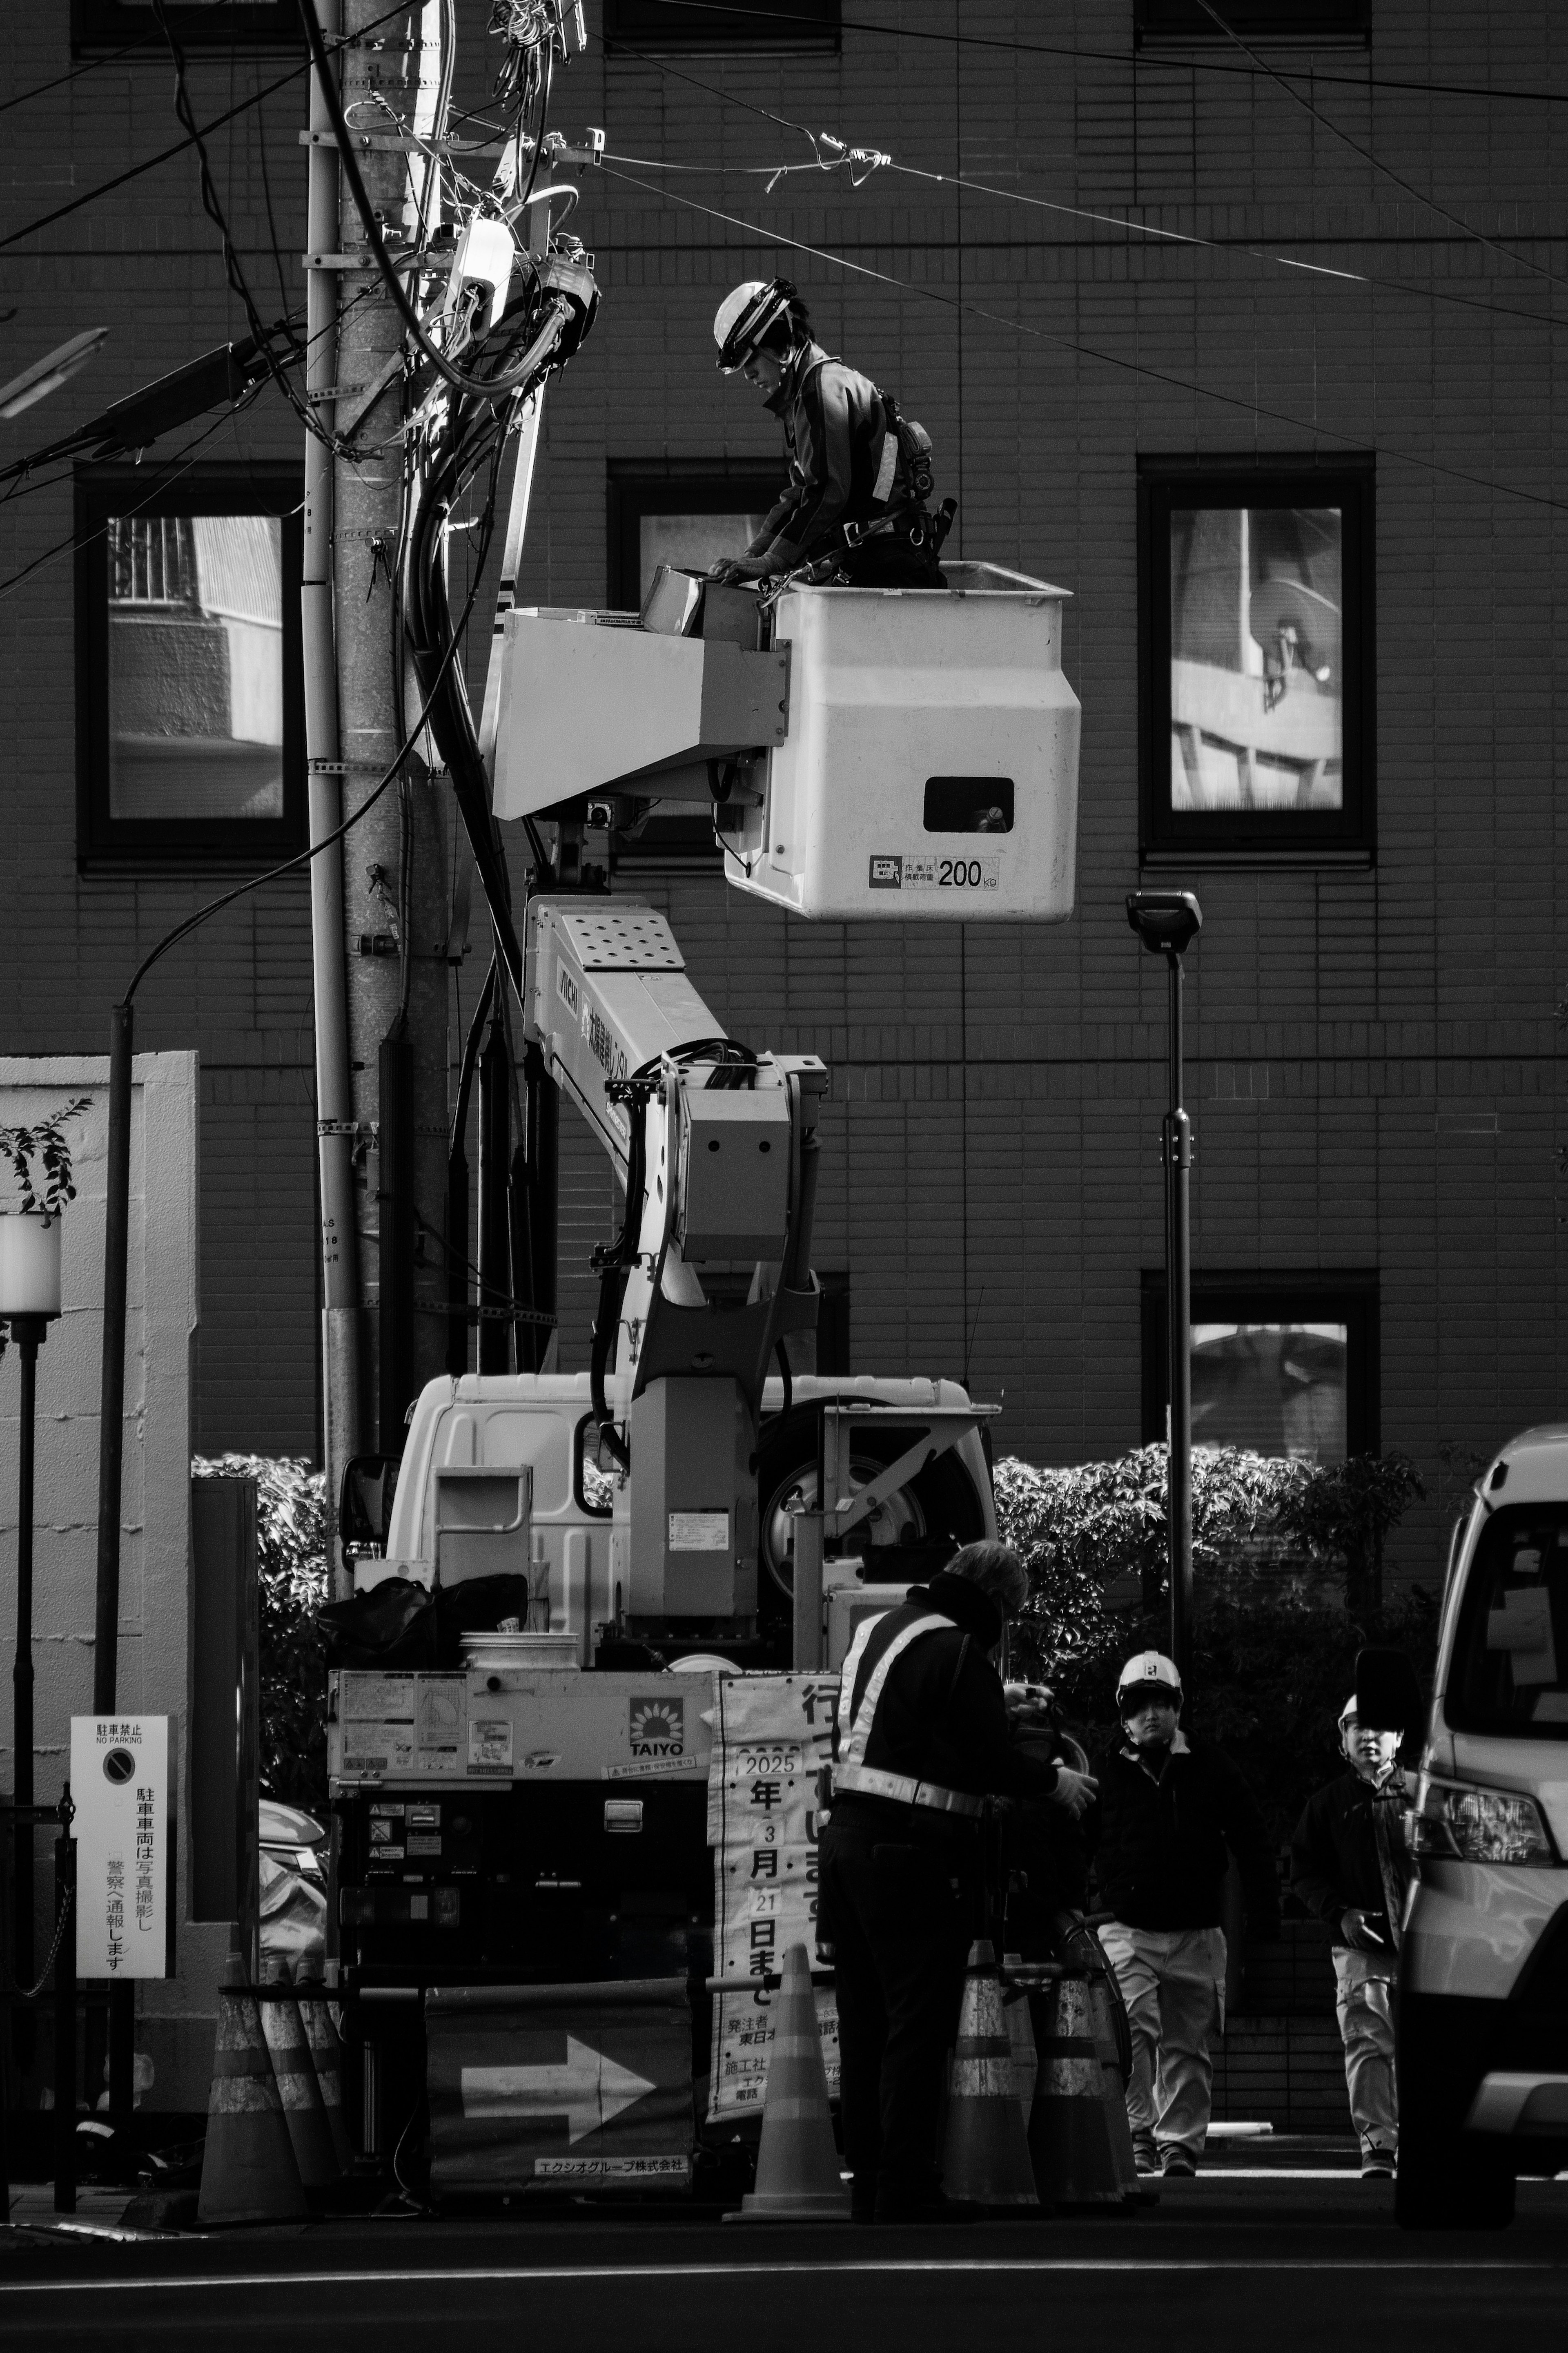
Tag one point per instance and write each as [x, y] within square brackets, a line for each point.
[1272, 2257]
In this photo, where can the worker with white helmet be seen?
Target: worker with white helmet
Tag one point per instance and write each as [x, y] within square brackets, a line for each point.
[1340, 1870]
[859, 473]
[1172, 1811]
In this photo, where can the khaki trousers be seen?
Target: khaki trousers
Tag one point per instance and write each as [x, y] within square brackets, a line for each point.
[1363, 1983]
[1173, 1982]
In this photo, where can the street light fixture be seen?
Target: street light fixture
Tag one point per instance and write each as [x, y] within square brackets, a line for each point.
[30, 1302]
[1167, 923]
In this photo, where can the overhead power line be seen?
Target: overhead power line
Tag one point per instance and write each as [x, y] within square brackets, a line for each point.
[1146, 60]
[1253, 408]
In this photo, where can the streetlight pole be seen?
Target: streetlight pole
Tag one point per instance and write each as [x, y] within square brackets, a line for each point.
[28, 1333]
[1167, 921]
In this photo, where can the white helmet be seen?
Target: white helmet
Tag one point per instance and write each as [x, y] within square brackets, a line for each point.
[743, 318]
[1151, 1672]
[1347, 1715]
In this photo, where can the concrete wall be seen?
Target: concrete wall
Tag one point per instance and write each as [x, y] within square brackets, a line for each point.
[1376, 1068]
[175, 2019]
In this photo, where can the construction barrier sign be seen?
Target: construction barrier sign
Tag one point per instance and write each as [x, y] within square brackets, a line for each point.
[561, 2086]
[771, 1736]
[124, 1829]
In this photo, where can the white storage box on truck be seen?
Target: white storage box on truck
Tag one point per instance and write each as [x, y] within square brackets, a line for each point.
[1483, 2001]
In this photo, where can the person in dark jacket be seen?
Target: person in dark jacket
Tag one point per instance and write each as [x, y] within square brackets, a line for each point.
[846, 462]
[1337, 1872]
[1170, 1813]
[920, 1741]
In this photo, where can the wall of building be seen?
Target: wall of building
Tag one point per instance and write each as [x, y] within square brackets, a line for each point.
[1374, 1050]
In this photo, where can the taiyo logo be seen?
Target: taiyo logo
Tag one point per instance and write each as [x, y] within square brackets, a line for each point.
[658, 1728]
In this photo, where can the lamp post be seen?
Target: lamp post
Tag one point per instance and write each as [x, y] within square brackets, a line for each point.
[30, 1301]
[1167, 923]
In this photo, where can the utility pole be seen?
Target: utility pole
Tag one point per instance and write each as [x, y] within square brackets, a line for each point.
[390, 897]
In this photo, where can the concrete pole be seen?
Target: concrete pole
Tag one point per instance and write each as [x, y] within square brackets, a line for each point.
[1178, 1157]
[344, 1417]
[378, 903]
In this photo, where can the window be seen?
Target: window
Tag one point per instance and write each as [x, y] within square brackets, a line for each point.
[1282, 1365]
[722, 23]
[667, 515]
[196, 23]
[1511, 1653]
[1255, 629]
[190, 718]
[1254, 20]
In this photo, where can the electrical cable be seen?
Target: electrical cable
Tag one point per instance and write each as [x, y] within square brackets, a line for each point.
[151, 162]
[302, 857]
[76, 73]
[1140, 58]
[1088, 351]
[456, 377]
[1367, 156]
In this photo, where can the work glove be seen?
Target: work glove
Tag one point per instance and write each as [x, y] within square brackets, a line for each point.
[733, 571]
[1365, 1932]
[1075, 1792]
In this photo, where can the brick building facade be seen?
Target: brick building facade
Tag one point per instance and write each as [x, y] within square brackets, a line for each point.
[1373, 1007]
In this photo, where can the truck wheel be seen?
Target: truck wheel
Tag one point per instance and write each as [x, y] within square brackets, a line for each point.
[1445, 2182]
[938, 1510]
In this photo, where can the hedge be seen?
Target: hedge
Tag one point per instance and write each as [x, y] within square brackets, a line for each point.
[292, 1582]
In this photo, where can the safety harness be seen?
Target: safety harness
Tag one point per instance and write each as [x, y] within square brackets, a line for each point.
[851, 1774]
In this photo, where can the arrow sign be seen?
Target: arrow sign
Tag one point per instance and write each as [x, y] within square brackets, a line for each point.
[590, 2090]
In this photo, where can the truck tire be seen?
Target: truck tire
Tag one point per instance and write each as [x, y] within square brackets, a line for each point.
[1448, 2182]
[923, 1523]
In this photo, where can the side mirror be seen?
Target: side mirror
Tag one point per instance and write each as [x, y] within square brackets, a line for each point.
[1388, 1692]
[364, 1505]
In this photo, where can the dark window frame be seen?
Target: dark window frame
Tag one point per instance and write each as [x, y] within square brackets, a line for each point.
[102, 841]
[1252, 21]
[752, 26]
[638, 487]
[99, 24]
[1338, 1296]
[1347, 834]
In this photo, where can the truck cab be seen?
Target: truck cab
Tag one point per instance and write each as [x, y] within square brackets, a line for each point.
[1483, 2000]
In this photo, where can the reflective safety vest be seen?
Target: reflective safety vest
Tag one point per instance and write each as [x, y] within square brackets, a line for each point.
[851, 1774]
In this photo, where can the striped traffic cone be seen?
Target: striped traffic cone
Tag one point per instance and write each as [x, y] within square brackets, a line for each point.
[1021, 2035]
[798, 2179]
[327, 2053]
[294, 2071]
[1119, 2131]
[1069, 2138]
[248, 2173]
[985, 2154]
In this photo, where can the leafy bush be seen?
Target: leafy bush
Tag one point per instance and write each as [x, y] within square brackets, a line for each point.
[291, 1581]
[1275, 1544]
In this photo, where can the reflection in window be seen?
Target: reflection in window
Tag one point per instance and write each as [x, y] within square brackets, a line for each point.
[691, 541]
[1256, 678]
[1512, 1643]
[1274, 1388]
[195, 667]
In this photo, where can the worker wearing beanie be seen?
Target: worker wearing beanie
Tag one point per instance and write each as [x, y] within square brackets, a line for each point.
[921, 1740]
[849, 462]
[1170, 1808]
[1338, 1874]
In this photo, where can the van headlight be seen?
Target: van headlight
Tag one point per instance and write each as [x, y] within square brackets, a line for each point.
[1459, 1822]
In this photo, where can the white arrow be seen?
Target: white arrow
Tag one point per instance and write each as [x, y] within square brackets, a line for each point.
[590, 2090]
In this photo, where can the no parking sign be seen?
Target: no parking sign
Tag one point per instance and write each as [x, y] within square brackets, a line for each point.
[124, 1830]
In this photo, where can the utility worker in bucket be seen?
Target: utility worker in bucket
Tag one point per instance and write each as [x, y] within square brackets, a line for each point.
[859, 474]
[922, 1740]
[1340, 1874]
[1169, 1809]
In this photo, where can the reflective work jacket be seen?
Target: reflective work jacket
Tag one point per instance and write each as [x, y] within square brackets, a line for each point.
[844, 464]
[921, 1719]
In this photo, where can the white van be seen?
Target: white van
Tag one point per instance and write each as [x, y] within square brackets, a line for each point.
[1483, 1999]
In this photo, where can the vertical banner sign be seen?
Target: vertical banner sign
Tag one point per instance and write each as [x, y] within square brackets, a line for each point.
[124, 1830]
[772, 1736]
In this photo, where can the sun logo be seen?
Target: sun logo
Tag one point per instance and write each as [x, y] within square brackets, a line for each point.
[658, 1728]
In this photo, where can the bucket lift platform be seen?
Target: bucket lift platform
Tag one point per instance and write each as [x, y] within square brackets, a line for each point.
[865, 752]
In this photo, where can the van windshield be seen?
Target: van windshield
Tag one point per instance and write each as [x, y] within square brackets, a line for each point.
[1511, 1657]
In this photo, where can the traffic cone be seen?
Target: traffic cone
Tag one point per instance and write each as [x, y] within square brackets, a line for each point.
[1069, 2137]
[985, 2154]
[294, 2072]
[798, 2179]
[1021, 2035]
[1118, 2129]
[327, 2053]
[248, 2173]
